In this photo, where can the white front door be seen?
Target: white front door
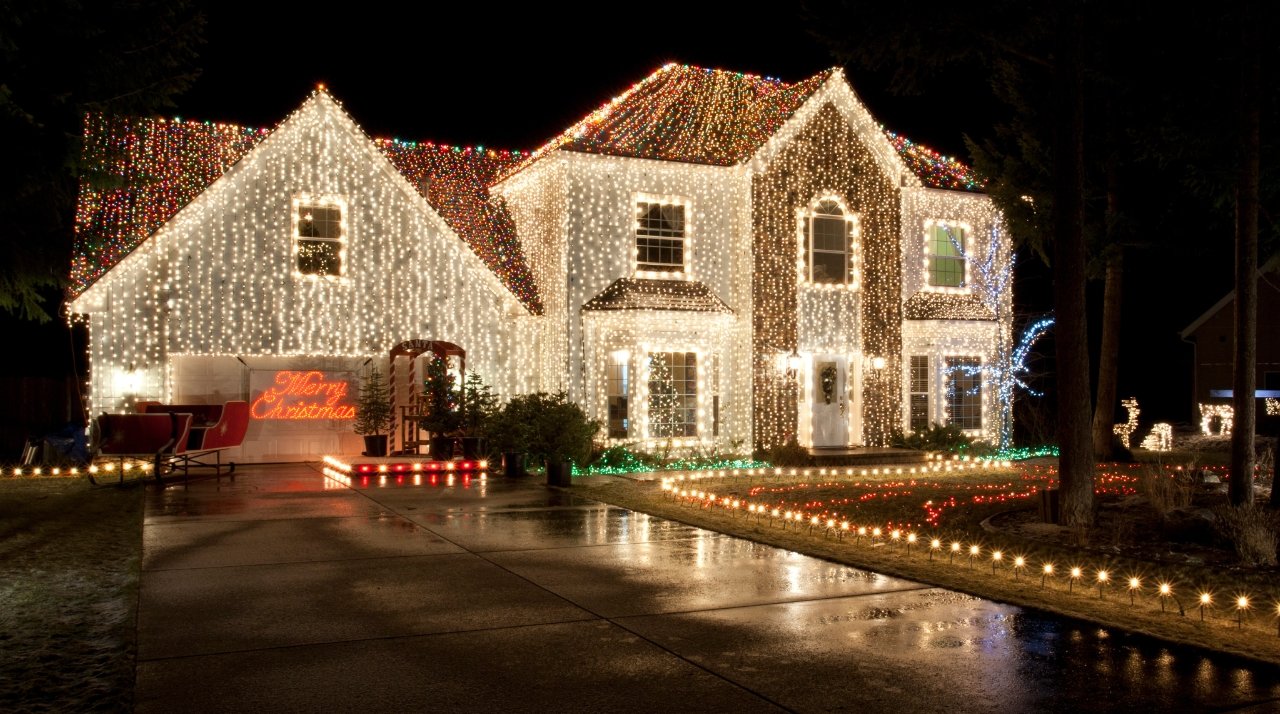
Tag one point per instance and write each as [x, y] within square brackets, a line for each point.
[830, 401]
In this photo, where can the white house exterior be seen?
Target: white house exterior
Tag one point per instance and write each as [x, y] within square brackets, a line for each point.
[710, 260]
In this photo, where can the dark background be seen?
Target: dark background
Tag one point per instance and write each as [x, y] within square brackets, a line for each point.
[478, 75]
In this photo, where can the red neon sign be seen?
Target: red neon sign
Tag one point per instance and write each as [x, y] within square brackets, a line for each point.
[303, 395]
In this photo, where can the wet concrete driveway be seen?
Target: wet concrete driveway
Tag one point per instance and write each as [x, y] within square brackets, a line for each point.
[284, 590]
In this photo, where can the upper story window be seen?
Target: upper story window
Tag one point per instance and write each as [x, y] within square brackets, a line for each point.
[947, 245]
[662, 237]
[320, 236]
[828, 233]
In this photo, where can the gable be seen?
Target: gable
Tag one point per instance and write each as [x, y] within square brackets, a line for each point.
[142, 172]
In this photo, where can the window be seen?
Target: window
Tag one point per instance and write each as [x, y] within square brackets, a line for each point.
[964, 392]
[919, 392]
[828, 241]
[619, 381]
[673, 394]
[320, 241]
[946, 250]
[660, 234]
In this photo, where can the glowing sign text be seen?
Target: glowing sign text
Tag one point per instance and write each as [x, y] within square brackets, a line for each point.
[303, 395]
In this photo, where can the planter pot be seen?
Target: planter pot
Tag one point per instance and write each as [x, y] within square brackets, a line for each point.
[513, 464]
[472, 448]
[559, 473]
[375, 445]
[441, 448]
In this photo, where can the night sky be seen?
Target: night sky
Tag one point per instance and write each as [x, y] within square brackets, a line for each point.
[475, 75]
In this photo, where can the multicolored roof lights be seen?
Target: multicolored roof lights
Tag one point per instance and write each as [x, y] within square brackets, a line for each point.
[934, 169]
[686, 113]
[713, 116]
[143, 171]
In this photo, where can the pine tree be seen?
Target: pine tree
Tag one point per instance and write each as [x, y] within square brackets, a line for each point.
[373, 410]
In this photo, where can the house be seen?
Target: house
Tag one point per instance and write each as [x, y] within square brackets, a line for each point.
[709, 259]
[1212, 337]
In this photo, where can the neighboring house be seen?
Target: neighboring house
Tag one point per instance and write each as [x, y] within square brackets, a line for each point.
[1212, 336]
[710, 259]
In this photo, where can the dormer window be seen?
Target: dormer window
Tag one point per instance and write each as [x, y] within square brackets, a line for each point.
[828, 244]
[661, 238]
[319, 236]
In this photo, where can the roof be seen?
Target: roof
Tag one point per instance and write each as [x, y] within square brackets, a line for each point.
[645, 294]
[946, 306]
[721, 118]
[141, 171]
[1272, 265]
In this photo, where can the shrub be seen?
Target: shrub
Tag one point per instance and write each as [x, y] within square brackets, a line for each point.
[1163, 490]
[788, 454]
[938, 437]
[544, 426]
[1251, 531]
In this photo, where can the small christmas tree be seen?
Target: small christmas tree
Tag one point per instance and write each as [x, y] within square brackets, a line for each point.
[373, 409]
[440, 399]
[478, 404]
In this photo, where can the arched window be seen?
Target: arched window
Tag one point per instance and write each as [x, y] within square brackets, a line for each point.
[828, 244]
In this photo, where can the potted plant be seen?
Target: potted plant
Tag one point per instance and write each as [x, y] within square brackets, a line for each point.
[373, 413]
[441, 416]
[478, 407]
[559, 434]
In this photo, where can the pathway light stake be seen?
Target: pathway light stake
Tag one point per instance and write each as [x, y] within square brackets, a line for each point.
[813, 523]
[1076, 572]
[955, 548]
[973, 554]
[895, 535]
[1134, 585]
[844, 528]
[1103, 578]
[831, 526]
[875, 533]
[1018, 564]
[1165, 590]
[1206, 599]
[996, 557]
[862, 530]
[911, 539]
[1242, 604]
[934, 546]
[1045, 572]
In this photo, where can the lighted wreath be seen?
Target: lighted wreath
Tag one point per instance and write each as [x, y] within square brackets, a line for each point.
[828, 377]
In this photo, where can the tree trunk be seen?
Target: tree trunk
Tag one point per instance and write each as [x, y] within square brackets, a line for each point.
[1109, 360]
[1246, 304]
[1075, 462]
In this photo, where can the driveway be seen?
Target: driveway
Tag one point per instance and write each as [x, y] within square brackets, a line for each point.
[286, 590]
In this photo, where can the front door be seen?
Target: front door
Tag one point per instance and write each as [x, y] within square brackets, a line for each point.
[830, 402]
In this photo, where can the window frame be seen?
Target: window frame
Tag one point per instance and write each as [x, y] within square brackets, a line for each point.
[804, 242]
[302, 201]
[638, 268]
[690, 403]
[971, 421]
[618, 378]
[916, 390]
[966, 251]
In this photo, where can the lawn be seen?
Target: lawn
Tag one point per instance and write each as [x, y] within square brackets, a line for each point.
[995, 510]
[69, 562]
